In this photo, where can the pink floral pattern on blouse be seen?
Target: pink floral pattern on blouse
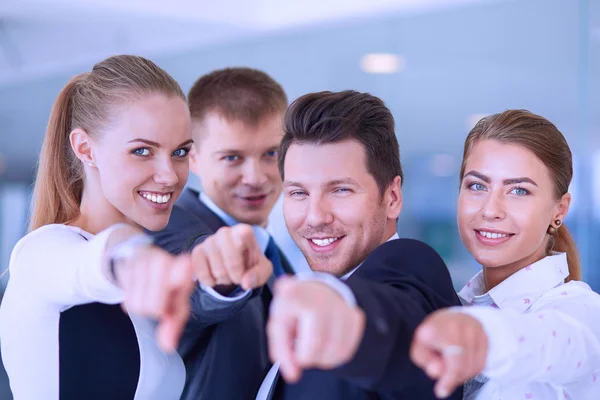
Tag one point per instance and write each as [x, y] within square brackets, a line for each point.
[544, 334]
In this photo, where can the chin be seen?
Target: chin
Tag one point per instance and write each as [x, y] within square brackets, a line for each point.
[325, 266]
[155, 225]
[252, 219]
[488, 261]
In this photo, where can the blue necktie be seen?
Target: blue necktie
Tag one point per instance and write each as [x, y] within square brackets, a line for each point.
[272, 253]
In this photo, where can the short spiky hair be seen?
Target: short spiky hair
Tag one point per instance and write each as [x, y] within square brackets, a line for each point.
[238, 94]
[330, 117]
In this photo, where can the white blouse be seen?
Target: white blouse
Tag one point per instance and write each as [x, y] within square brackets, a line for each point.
[544, 335]
[53, 269]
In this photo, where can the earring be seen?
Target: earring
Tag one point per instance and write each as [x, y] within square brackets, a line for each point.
[91, 164]
[552, 230]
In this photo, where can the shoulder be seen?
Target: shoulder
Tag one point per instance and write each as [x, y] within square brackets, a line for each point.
[49, 234]
[182, 231]
[409, 253]
[571, 294]
[44, 241]
[408, 258]
[181, 218]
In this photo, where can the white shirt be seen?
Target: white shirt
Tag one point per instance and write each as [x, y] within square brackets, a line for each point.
[544, 334]
[51, 270]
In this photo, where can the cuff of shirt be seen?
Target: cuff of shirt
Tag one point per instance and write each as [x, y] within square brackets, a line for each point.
[502, 343]
[237, 294]
[334, 283]
[105, 290]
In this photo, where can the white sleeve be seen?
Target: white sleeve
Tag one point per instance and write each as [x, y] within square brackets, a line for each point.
[555, 345]
[60, 267]
[332, 281]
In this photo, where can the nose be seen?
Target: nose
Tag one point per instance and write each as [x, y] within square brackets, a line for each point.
[253, 173]
[318, 212]
[165, 173]
[493, 208]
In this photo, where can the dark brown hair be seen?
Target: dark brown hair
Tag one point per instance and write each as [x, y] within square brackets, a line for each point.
[542, 138]
[330, 117]
[238, 94]
[86, 102]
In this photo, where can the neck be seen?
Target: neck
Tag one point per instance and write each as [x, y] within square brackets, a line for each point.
[389, 231]
[96, 213]
[493, 276]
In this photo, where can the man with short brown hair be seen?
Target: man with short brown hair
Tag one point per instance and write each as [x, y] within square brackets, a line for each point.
[237, 118]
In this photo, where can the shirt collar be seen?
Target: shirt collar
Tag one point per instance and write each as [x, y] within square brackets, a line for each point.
[261, 234]
[520, 290]
[394, 237]
[228, 219]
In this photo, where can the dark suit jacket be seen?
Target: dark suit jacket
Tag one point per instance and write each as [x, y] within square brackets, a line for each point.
[397, 286]
[224, 345]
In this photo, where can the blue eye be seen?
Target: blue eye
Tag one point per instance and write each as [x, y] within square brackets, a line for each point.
[297, 193]
[181, 152]
[476, 186]
[519, 191]
[272, 153]
[231, 158]
[343, 190]
[142, 151]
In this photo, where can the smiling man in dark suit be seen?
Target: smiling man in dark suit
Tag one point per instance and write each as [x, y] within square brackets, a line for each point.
[237, 118]
[344, 331]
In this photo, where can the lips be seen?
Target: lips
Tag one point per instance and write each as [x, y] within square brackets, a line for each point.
[157, 200]
[325, 243]
[492, 237]
[254, 200]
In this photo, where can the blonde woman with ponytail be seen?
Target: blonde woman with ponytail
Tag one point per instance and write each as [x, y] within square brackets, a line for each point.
[92, 309]
[531, 328]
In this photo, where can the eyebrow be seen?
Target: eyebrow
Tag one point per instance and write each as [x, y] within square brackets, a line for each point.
[155, 144]
[510, 181]
[343, 181]
[229, 151]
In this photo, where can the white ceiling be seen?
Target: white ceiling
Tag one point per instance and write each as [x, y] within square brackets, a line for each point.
[462, 58]
[43, 37]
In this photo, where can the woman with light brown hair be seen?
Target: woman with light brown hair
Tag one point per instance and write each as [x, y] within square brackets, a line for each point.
[92, 309]
[531, 328]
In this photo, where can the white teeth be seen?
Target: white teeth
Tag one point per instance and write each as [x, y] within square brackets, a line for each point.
[493, 235]
[324, 242]
[159, 199]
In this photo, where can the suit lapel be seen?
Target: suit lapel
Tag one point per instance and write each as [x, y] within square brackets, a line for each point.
[190, 201]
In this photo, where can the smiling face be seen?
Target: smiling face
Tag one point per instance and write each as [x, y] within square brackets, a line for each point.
[141, 159]
[507, 201]
[237, 165]
[333, 207]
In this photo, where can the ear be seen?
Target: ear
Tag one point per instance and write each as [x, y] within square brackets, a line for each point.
[393, 198]
[194, 160]
[82, 146]
[562, 208]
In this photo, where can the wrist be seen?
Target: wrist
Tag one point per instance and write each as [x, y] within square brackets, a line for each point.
[125, 250]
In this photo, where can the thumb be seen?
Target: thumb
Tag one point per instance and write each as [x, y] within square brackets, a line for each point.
[425, 350]
[257, 275]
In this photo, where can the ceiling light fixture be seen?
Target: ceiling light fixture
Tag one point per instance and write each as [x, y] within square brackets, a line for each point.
[382, 63]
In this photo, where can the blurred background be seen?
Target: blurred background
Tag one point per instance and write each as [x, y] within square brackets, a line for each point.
[440, 65]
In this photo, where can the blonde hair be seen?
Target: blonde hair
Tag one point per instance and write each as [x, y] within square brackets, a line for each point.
[542, 138]
[85, 103]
